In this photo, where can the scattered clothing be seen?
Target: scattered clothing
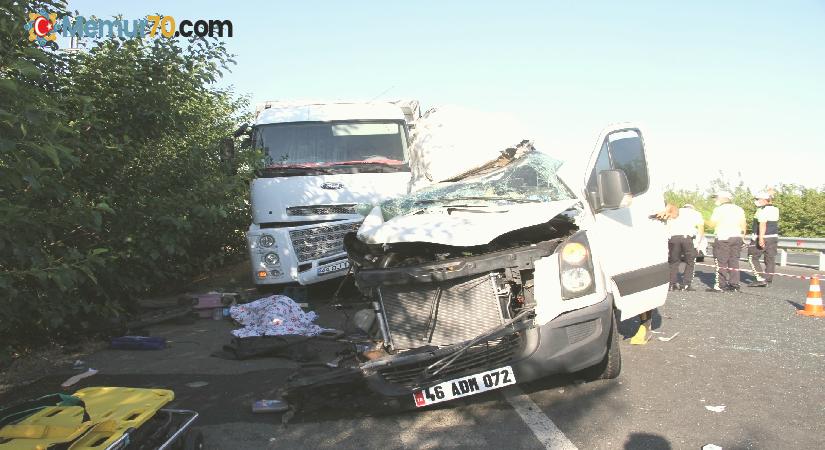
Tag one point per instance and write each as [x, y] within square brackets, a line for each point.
[137, 343]
[277, 315]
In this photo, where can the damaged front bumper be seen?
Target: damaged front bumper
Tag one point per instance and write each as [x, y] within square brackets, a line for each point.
[571, 342]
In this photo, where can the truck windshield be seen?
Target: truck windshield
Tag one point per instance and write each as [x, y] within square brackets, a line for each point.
[330, 143]
[531, 178]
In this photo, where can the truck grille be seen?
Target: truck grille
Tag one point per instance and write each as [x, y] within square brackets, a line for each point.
[320, 242]
[464, 309]
[320, 210]
[483, 356]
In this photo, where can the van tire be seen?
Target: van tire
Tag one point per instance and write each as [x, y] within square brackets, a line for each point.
[611, 366]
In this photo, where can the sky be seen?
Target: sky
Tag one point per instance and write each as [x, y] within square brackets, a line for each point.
[736, 86]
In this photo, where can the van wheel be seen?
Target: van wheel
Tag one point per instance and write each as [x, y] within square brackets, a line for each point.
[611, 366]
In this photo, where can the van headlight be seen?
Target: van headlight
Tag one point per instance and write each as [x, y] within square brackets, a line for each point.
[575, 267]
[576, 280]
[266, 241]
[271, 259]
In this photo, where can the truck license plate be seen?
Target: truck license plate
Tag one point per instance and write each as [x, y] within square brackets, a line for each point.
[465, 386]
[336, 267]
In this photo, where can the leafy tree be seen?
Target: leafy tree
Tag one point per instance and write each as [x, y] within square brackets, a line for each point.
[111, 178]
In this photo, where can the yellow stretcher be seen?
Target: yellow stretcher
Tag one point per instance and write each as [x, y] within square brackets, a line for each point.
[105, 418]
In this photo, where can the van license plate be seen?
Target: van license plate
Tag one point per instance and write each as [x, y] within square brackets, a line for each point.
[336, 267]
[465, 386]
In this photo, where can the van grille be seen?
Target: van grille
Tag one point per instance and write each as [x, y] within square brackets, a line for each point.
[320, 210]
[483, 356]
[320, 242]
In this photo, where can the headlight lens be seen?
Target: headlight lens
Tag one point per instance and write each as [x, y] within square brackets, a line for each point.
[271, 259]
[576, 279]
[266, 241]
[275, 273]
[574, 253]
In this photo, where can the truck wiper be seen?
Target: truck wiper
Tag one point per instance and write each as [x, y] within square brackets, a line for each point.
[396, 167]
[294, 169]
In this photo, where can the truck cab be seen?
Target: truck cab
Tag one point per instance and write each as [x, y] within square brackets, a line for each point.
[326, 165]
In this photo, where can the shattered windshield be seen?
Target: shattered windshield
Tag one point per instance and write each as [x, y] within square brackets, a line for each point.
[531, 178]
[332, 142]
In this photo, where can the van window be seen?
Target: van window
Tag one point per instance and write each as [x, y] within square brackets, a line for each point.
[602, 163]
[627, 152]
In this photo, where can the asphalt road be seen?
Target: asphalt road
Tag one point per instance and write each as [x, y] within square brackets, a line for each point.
[749, 352]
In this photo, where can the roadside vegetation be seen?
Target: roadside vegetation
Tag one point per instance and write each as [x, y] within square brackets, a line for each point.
[802, 209]
[112, 180]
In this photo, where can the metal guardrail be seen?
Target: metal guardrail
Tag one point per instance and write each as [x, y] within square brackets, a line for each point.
[794, 242]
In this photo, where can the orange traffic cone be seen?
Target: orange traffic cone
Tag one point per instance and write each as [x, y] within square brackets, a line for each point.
[813, 304]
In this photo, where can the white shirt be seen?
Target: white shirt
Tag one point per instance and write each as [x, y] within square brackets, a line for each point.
[728, 218]
[686, 224]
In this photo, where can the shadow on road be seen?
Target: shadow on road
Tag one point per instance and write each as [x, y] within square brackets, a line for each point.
[645, 441]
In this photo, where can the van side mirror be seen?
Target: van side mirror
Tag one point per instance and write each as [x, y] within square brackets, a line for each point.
[228, 155]
[613, 189]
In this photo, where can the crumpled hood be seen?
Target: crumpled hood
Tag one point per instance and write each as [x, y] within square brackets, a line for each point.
[463, 226]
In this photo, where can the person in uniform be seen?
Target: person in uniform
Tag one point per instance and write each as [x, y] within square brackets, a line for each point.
[728, 221]
[765, 239]
[683, 229]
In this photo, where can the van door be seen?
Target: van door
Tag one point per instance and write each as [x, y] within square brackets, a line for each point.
[630, 246]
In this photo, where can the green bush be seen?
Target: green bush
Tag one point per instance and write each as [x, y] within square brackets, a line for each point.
[111, 181]
[801, 209]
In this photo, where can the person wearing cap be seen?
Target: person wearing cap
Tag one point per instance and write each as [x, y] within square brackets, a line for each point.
[765, 239]
[728, 221]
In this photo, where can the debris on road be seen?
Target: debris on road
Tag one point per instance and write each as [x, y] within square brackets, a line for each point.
[277, 315]
[197, 384]
[668, 339]
[717, 409]
[711, 447]
[296, 348]
[269, 406]
[212, 304]
[138, 343]
[72, 380]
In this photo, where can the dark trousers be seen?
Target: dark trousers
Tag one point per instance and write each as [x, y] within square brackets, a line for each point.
[769, 250]
[677, 247]
[727, 257]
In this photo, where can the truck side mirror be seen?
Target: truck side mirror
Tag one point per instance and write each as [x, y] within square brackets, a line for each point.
[613, 189]
[228, 155]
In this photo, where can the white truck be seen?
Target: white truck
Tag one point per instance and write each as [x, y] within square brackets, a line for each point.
[326, 165]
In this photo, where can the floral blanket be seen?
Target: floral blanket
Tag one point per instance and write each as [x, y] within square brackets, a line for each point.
[277, 315]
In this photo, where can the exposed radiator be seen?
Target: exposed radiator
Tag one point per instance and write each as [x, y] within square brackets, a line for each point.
[418, 314]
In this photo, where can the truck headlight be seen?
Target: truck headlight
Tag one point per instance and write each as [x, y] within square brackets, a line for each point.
[576, 279]
[266, 241]
[275, 273]
[271, 259]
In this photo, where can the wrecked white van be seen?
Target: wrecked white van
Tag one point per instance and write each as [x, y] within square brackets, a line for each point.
[508, 272]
